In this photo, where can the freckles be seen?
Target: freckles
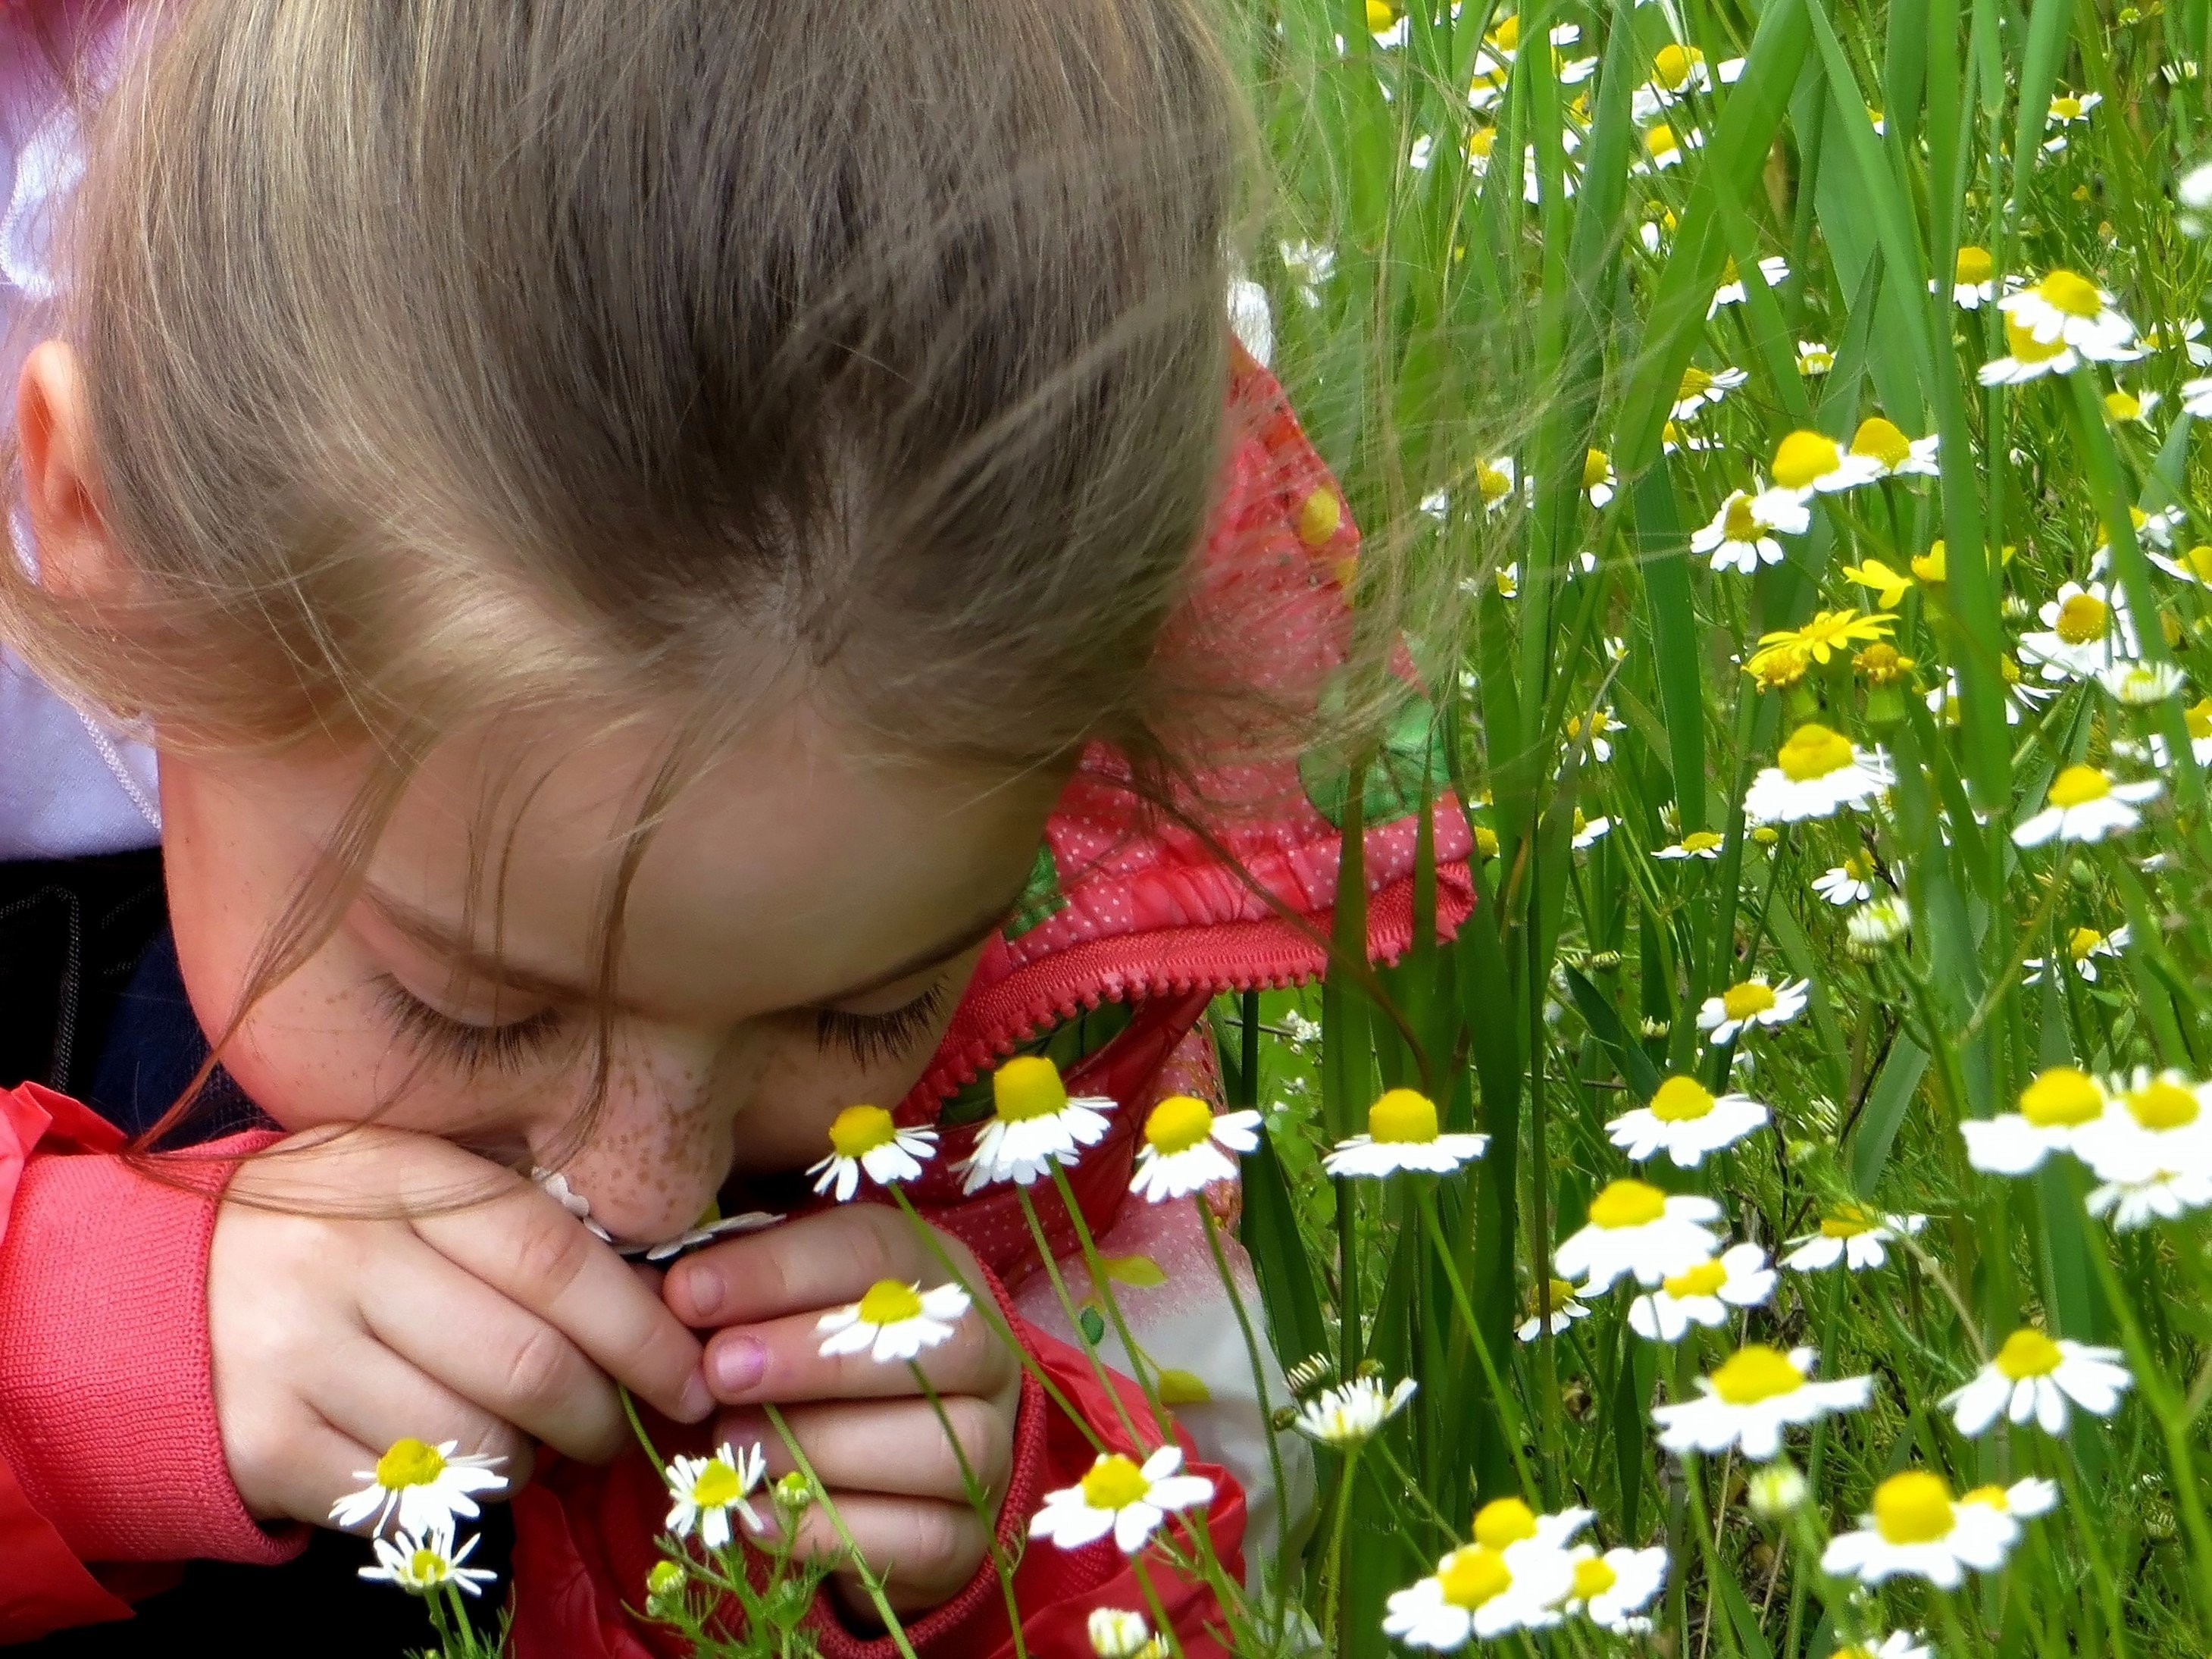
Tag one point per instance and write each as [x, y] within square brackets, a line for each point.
[661, 1148]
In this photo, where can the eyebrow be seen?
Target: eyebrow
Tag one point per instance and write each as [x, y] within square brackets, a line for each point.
[434, 936]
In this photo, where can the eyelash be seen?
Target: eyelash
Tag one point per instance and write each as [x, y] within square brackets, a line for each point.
[871, 1038]
[471, 1048]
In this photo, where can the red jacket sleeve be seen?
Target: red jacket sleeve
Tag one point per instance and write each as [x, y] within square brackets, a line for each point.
[109, 1448]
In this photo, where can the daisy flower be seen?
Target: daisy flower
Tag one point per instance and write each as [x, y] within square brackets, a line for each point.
[1494, 480]
[1698, 844]
[1350, 1414]
[1700, 387]
[1741, 536]
[1814, 358]
[1121, 1497]
[2083, 946]
[2163, 1194]
[2197, 717]
[1873, 928]
[2084, 803]
[2053, 1109]
[1816, 773]
[1855, 1236]
[893, 1321]
[2067, 109]
[2067, 308]
[1676, 71]
[2150, 1123]
[423, 1564]
[2124, 407]
[1918, 1530]
[1503, 1522]
[2028, 358]
[1752, 1002]
[1664, 147]
[1035, 1125]
[1702, 1294]
[1898, 456]
[2085, 630]
[1757, 1392]
[1402, 1134]
[1477, 1593]
[2140, 685]
[704, 1491]
[1685, 1121]
[2188, 337]
[1187, 1147]
[422, 1485]
[2194, 565]
[1634, 1227]
[1973, 278]
[1587, 832]
[2031, 1497]
[864, 1140]
[1559, 1309]
[2031, 1376]
[1849, 882]
[1599, 483]
[1600, 722]
[1118, 1633]
[1613, 1589]
[1809, 463]
[1773, 270]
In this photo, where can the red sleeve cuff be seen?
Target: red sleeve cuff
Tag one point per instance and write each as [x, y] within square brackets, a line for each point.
[108, 1416]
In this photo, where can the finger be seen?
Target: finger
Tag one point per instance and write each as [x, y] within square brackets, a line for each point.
[372, 1398]
[922, 1552]
[783, 1360]
[816, 1261]
[526, 1247]
[513, 1365]
[897, 1449]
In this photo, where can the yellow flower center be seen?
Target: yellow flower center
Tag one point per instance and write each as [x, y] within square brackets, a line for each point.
[1671, 64]
[2164, 1105]
[2082, 941]
[1883, 441]
[425, 1566]
[2028, 1353]
[1503, 1521]
[1681, 1100]
[1815, 361]
[1660, 140]
[410, 1462]
[2066, 107]
[1485, 841]
[1593, 1577]
[1379, 15]
[2081, 619]
[1319, 515]
[1742, 1001]
[1995, 1498]
[1480, 141]
[2060, 1097]
[859, 1129]
[2123, 406]
[1742, 525]
[1028, 1086]
[1506, 37]
[1557, 1293]
[2071, 293]
[1695, 382]
[1849, 1222]
[1974, 265]
[1114, 1483]
[1859, 864]
[1597, 467]
[1813, 751]
[1703, 1279]
[1491, 481]
[1177, 1124]
[2198, 560]
[1756, 1372]
[1403, 1114]
[1469, 1577]
[888, 1302]
[1627, 1203]
[1804, 457]
[2025, 347]
[2077, 786]
[1700, 840]
[2198, 715]
[717, 1487]
[1912, 1507]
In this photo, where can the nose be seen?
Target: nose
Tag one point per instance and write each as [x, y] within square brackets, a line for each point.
[654, 1152]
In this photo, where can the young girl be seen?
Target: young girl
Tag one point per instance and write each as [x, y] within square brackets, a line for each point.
[656, 572]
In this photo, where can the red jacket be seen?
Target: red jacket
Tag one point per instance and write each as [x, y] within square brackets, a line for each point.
[109, 1456]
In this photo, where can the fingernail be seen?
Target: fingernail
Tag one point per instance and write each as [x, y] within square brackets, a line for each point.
[703, 1289]
[698, 1399]
[738, 1363]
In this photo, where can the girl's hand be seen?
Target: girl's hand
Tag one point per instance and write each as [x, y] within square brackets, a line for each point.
[370, 1286]
[873, 1438]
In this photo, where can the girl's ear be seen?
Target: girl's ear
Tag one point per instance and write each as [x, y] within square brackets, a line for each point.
[77, 557]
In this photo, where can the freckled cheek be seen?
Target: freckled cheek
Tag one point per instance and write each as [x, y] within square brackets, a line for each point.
[658, 1149]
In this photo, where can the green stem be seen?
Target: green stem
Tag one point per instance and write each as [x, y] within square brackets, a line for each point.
[868, 1580]
[1425, 1202]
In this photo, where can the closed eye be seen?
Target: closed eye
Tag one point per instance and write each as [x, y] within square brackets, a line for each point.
[467, 1047]
[871, 1039]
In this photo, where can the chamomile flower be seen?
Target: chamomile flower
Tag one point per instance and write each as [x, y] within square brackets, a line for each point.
[1664, 147]
[1756, 1393]
[1703, 1294]
[1852, 1234]
[1477, 1593]
[1773, 270]
[1118, 1633]
[1602, 720]
[555, 1187]
[1898, 1644]
[425, 1563]
[705, 1491]
[2140, 685]
[1874, 927]
[1587, 832]
[2031, 1375]
[1612, 1590]
[1121, 1497]
[893, 1322]
[2083, 946]
[1599, 481]
[1814, 358]
[1748, 1003]
[1809, 463]
[2067, 109]
[1685, 1121]
[1698, 844]
[2130, 408]
[2198, 717]
[2028, 358]
[1849, 882]
[864, 1140]
[2188, 337]
[1350, 1414]
[2152, 1122]
[1036, 1125]
[2193, 565]
[2161, 1195]
[1559, 1309]
[2196, 397]
[1741, 535]
[1973, 278]
[2066, 307]
[1885, 444]
[2058, 1102]
[2085, 804]
[1402, 1134]
[1634, 1227]
[1701, 387]
[1677, 72]
[1494, 481]
[1918, 1529]
[2030, 1496]
[1815, 773]
[1187, 1147]
[422, 1485]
